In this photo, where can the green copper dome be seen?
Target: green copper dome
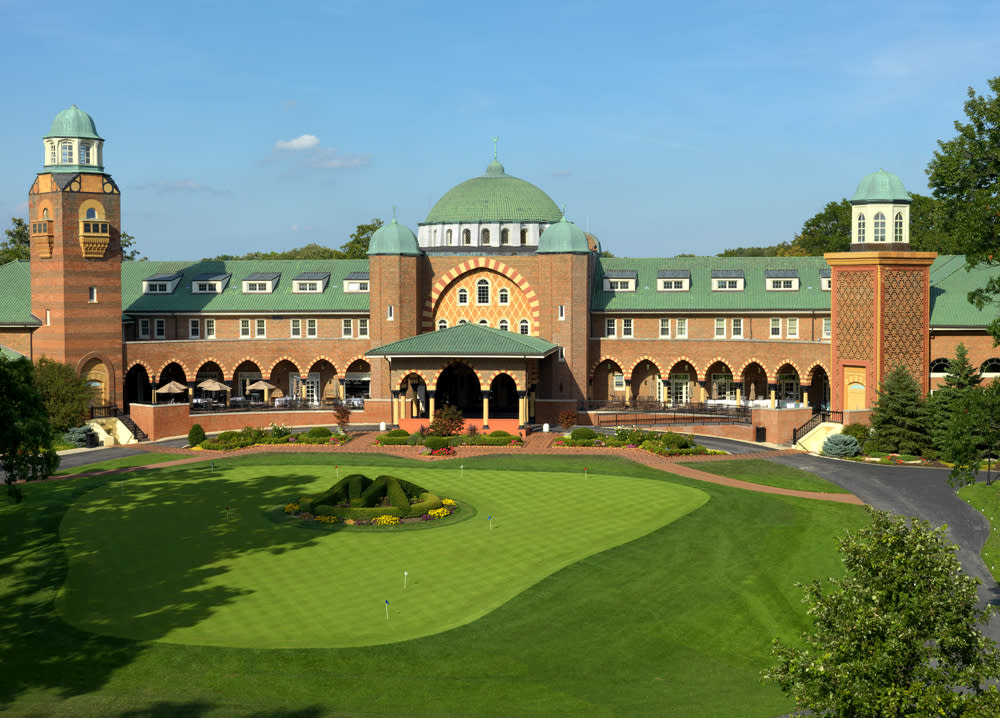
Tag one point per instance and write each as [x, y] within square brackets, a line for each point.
[881, 186]
[73, 122]
[394, 238]
[563, 238]
[494, 196]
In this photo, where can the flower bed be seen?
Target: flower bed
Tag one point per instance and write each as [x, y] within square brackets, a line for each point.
[277, 434]
[399, 437]
[661, 443]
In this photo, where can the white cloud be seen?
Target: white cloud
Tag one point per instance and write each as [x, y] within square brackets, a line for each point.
[302, 142]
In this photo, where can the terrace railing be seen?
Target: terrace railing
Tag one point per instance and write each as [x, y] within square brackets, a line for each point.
[660, 414]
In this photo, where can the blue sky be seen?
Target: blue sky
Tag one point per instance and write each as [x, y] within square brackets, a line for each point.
[663, 127]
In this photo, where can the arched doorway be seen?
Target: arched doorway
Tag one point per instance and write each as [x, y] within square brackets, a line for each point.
[96, 374]
[245, 374]
[819, 389]
[459, 386]
[720, 384]
[329, 383]
[789, 385]
[609, 382]
[754, 381]
[646, 385]
[503, 397]
[138, 388]
[357, 380]
[680, 384]
[285, 377]
[171, 372]
[413, 390]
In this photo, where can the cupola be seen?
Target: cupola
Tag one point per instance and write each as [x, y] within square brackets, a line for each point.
[880, 213]
[394, 238]
[563, 237]
[72, 144]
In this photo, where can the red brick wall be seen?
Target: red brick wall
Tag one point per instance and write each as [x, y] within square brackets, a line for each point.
[18, 339]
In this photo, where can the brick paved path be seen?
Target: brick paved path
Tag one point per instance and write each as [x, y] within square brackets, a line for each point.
[537, 443]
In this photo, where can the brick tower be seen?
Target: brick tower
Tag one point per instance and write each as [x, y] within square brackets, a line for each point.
[880, 298]
[75, 216]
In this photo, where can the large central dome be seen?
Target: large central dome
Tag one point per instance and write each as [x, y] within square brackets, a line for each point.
[494, 197]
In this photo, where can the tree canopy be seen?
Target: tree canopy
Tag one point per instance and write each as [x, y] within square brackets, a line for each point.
[899, 416]
[964, 176]
[897, 635]
[65, 395]
[973, 434]
[355, 248]
[17, 245]
[25, 433]
[962, 377]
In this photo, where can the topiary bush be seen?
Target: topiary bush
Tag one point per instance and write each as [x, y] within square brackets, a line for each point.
[582, 434]
[437, 442]
[499, 432]
[196, 435]
[841, 446]
[396, 433]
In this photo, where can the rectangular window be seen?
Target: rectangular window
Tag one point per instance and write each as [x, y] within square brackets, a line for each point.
[388, 314]
[737, 327]
[48, 320]
[160, 328]
[210, 329]
[93, 295]
[194, 329]
[825, 284]
[562, 311]
[827, 327]
[664, 328]
[720, 328]
[312, 328]
[627, 328]
[793, 326]
[244, 327]
[682, 328]
[619, 381]
[775, 327]
[307, 287]
[143, 326]
[261, 328]
[296, 328]
[362, 327]
[609, 327]
[348, 330]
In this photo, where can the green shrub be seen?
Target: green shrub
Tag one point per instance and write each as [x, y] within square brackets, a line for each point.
[426, 501]
[227, 436]
[319, 432]
[395, 433]
[386, 440]
[77, 436]
[279, 432]
[583, 433]
[614, 441]
[499, 432]
[841, 446]
[196, 435]
[437, 442]
[415, 438]
[861, 432]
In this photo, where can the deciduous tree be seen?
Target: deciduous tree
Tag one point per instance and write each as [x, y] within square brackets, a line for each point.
[65, 395]
[898, 635]
[17, 245]
[25, 433]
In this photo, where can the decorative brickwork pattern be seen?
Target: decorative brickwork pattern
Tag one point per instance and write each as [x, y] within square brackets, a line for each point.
[855, 319]
[518, 305]
[902, 331]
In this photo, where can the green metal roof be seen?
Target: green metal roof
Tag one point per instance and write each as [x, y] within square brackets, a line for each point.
[494, 197]
[700, 297]
[15, 294]
[468, 340]
[880, 186]
[394, 238]
[73, 122]
[10, 354]
[951, 283]
[232, 299]
[563, 238]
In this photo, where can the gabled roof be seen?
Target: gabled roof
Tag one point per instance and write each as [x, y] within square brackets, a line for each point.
[468, 340]
[781, 273]
[727, 273]
[10, 354]
[15, 294]
[262, 277]
[673, 274]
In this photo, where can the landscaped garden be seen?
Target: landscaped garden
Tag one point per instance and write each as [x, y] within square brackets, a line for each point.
[554, 589]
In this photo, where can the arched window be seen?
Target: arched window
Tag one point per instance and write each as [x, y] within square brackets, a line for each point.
[463, 296]
[503, 296]
[504, 325]
[897, 228]
[484, 237]
[482, 292]
[442, 324]
[449, 238]
[939, 366]
[466, 237]
[483, 323]
[66, 150]
[52, 153]
[524, 237]
[45, 213]
[878, 231]
[84, 153]
[990, 367]
[861, 228]
[525, 327]
[91, 213]
[434, 240]
[504, 236]
[462, 321]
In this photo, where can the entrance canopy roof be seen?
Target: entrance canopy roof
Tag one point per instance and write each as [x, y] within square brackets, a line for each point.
[468, 340]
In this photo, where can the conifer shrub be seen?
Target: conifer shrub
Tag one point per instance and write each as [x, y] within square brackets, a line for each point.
[841, 446]
[196, 435]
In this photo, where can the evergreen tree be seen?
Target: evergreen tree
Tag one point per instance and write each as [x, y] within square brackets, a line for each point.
[961, 378]
[899, 417]
[973, 434]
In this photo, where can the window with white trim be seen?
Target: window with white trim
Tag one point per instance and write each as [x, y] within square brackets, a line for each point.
[207, 287]
[879, 228]
[619, 380]
[778, 285]
[362, 328]
[737, 328]
[463, 297]
[66, 150]
[84, 153]
[562, 312]
[525, 327]
[160, 328]
[482, 292]
[244, 328]
[720, 328]
[356, 287]
[673, 285]
[92, 295]
[665, 328]
[609, 327]
[143, 328]
[627, 328]
[442, 324]
[827, 327]
[727, 285]
[860, 233]
[504, 325]
[897, 227]
[347, 328]
[312, 328]
[682, 328]
[484, 323]
[308, 287]
[194, 329]
[156, 288]
[775, 327]
[793, 327]
[503, 297]
[261, 330]
[619, 285]
[210, 329]
[389, 314]
[295, 330]
[825, 284]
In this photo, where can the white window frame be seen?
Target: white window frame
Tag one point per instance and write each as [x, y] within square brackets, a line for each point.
[727, 284]
[619, 285]
[682, 328]
[792, 327]
[610, 328]
[825, 284]
[362, 328]
[737, 327]
[482, 284]
[782, 284]
[245, 329]
[504, 325]
[92, 295]
[312, 328]
[210, 329]
[160, 328]
[308, 286]
[827, 327]
[356, 286]
[347, 328]
[194, 329]
[390, 314]
[295, 328]
[442, 324]
[462, 292]
[674, 285]
[562, 312]
[665, 328]
[260, 329]
[628, 330]
[720, 328]
[143, 328]
[775, 331]
[525, 328]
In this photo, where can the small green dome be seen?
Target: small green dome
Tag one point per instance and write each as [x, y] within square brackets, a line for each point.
[394, 238]
[494, 196]
[73, 122]
[881, 186]
[563, 238]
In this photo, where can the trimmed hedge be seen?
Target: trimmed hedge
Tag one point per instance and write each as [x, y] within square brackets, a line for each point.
[500, 432]
[583, 433]
[366, 496]
[319, 432]
[386, 440]
[397, 433]
[437, 442]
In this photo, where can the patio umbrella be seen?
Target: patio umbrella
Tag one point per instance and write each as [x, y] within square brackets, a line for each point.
[173, 387]
[330, 390]
[277, 393]
[261, 385]
[213, 385]
[753, 391]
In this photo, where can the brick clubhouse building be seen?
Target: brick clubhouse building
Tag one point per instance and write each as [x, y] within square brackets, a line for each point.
[497, 305]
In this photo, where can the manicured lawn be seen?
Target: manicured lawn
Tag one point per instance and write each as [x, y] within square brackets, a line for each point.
[676, 619]
[136, 460]
[761, 471]
[986, 500]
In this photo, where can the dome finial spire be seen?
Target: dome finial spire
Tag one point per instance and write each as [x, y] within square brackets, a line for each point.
[495, 140]
[394, 213]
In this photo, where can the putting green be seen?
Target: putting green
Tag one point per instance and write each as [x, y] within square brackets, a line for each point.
[156, 558]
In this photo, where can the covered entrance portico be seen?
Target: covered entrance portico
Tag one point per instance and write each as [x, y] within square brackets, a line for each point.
[486, 373]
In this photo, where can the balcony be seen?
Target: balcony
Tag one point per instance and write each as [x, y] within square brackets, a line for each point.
[42, 237]
[95, 235]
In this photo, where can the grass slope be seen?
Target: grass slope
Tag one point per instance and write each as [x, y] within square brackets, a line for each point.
[676, 622]
[768, 473]
[986, 500]
[143, 459]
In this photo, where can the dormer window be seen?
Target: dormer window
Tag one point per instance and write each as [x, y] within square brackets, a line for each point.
[356, 282]
[673, 280]
[210, 283]
[782, 280]
[825, 281]
[728, 280]
[620, 280]
[310, 282]
[261, 283]
[161, 283]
